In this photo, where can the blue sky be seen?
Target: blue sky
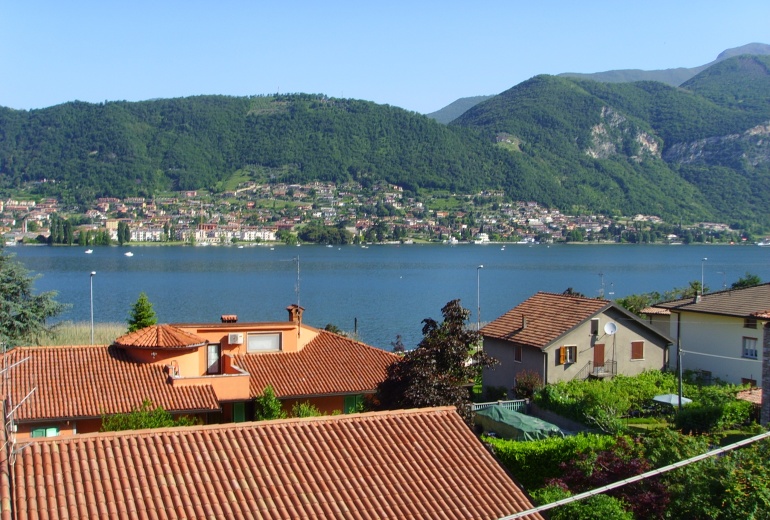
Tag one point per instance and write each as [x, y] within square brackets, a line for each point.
[418, 55]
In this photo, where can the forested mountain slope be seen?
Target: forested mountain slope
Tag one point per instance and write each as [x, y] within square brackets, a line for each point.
[693, 153]
[625, 145]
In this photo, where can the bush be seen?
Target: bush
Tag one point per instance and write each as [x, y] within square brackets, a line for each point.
[534, 462]
[267, 406]
[599, 507]
[527, 383]
[706, 418]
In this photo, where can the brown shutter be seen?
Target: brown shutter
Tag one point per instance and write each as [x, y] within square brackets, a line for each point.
[637, 350]
[562, 355]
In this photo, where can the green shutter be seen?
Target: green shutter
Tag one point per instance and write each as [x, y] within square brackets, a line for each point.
[239, 412]
[352, 402]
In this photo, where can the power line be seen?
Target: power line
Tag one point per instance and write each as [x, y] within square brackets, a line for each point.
[636, 478]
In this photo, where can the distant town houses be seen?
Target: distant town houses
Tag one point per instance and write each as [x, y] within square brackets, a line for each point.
[255, 212]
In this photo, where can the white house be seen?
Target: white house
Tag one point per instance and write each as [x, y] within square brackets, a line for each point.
[720, 333]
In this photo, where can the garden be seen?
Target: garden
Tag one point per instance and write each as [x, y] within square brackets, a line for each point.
[629, 433]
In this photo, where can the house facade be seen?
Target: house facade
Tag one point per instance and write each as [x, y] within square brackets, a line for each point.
[563, 337]
[720, 334]
[209, 371]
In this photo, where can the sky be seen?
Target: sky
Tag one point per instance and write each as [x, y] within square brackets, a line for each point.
[417, 55]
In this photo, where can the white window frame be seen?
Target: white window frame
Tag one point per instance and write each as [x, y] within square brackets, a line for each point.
[749, 348]
[263, 342]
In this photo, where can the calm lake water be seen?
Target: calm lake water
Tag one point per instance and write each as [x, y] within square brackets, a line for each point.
[382, 290]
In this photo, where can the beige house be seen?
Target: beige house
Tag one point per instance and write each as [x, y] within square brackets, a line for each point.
[720, 333]
[564, 337]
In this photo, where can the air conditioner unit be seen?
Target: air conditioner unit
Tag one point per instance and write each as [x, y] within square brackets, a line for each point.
[235, 338]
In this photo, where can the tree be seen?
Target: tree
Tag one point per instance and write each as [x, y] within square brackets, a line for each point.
[267, 406]
[23, 314]
[124, 233]
[142, 315]
[438, 371]
[145, 416]
[749, 280]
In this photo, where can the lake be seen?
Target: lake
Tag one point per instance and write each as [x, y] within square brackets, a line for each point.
[381, 290]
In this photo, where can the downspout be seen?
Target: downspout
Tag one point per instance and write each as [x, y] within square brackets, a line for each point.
[545, 368]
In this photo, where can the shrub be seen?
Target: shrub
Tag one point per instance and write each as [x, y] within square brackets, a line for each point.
[267, 406]
[527, 383]
[305, 409]
[495, 393]
[599, 506]
[534, 462]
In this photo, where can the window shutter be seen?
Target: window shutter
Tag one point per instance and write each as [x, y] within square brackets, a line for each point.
[637, 350]
[562, 355]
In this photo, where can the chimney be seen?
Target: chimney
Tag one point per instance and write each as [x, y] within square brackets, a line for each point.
[295, 313]
[229, 318]
[523, 322]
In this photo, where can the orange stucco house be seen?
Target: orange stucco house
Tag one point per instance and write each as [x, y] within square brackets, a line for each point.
[211, 371]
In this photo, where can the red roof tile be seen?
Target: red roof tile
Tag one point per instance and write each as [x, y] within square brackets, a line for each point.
[547, 315]
[406, 464]
[160, 337]
[89, 381]
[329, 364]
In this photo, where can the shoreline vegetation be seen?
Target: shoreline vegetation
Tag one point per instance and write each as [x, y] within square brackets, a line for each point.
[79, 333]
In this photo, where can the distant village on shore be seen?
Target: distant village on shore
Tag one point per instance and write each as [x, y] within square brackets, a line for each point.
[264, 213]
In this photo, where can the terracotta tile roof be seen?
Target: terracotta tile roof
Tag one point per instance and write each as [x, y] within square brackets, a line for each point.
[547, 315]
[160, 337]
[654, 311]
[89, 381]
[329, 364]
[752, 395]
[407, 464]
[734, 302]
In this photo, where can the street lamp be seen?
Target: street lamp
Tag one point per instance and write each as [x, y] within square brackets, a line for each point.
[92, 306]
[702, 262]
[478, 298]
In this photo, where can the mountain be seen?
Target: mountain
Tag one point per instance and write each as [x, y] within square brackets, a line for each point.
[645, 146]
[456, 108]
[673, 77]
[85, 150]
[697, 152]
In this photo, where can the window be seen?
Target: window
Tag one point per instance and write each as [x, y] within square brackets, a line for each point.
[517, 353]
[637, 350]
[46, 431]
[567, 355]
[594, 326]
[750, 348]
[270, 342]
[749, 323]
[213, 355]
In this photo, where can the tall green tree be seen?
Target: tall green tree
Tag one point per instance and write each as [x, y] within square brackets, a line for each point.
[23, 313]
[441, 370]
[142, 314]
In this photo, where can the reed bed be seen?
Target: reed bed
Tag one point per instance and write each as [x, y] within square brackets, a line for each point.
[79, 333]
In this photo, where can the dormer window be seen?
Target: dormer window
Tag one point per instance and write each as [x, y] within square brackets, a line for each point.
[263, 342]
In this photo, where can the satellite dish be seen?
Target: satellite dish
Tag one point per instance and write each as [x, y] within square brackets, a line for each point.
[610, 328]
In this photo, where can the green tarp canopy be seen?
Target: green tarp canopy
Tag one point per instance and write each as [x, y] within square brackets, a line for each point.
[508, 424]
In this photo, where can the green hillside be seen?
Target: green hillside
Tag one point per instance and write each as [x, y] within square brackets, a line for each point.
[692, 153]
[621, 145]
